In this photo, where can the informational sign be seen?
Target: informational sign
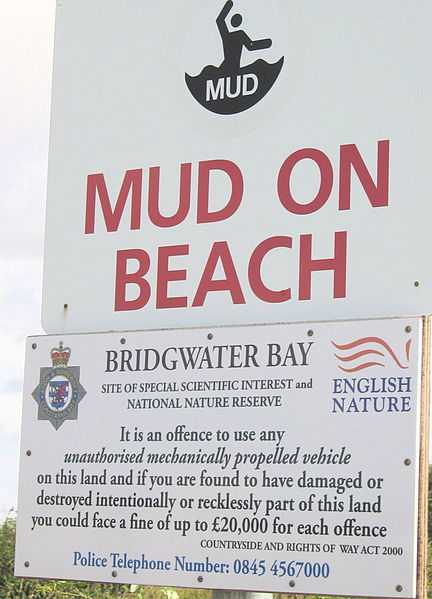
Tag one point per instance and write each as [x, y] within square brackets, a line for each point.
[270, 458]
[238, 162]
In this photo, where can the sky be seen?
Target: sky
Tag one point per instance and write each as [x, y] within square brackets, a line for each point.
[26, 48]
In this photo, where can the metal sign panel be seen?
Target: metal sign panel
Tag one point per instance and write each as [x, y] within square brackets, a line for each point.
[220, 163]
[271, 458]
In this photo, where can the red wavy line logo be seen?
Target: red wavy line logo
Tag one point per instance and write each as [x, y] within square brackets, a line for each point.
[369, 348]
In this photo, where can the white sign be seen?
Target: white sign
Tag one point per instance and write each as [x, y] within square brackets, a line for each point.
[270, 458]
[219, 163]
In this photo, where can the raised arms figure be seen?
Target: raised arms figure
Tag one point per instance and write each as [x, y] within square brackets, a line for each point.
[234, 41]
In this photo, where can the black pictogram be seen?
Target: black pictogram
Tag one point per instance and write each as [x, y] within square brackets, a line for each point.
[231, 88]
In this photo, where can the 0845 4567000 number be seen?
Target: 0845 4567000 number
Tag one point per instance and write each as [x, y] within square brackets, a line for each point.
[280, 568]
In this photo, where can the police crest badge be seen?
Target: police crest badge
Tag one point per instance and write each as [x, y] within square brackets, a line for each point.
[59, 390]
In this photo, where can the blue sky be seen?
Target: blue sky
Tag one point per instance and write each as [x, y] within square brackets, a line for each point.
[26, 45]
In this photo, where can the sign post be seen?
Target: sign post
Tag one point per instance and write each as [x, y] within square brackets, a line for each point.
[264, 458]
[179, 214]
[269, 178]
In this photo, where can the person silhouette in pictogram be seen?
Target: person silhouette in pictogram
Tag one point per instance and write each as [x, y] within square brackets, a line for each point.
[234, 41]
